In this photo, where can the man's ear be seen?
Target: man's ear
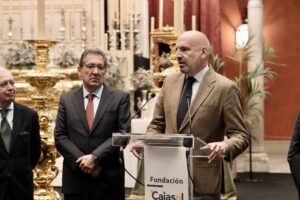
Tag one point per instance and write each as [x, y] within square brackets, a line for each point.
[79, 71]
[204, 52]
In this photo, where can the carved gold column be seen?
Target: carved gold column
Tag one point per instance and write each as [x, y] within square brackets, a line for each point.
[43, 81]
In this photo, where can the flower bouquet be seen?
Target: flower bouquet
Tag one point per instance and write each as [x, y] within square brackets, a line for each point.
[19, 57]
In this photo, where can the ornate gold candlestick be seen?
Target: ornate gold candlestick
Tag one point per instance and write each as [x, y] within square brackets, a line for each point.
[44, 81]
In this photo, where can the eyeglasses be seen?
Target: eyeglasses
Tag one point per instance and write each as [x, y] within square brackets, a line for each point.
[6, 84]
[92, 66]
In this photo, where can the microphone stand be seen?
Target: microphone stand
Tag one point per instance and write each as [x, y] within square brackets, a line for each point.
[190, 157]
[129, 121]
[189, 114]
[121, 158]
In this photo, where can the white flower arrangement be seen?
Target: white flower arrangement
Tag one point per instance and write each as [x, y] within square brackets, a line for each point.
[113, 74]
[20, 56]
[142, 79]
[66, 59]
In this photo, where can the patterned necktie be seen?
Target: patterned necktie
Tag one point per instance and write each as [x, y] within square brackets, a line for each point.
[5, 129]
[90, 110]
[183, 106]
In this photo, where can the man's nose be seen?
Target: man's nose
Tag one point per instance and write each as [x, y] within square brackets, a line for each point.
[178, 54]
[95, 70]
[10, 85]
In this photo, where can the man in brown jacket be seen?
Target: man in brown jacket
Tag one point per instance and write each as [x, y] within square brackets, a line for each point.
[215, 109]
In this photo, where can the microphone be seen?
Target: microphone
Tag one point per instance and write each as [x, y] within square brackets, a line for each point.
[188, 142]
[129, 121]
[124, 142]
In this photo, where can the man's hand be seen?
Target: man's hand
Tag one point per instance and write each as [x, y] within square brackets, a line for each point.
[218, 150]
[87, 165]
[96, 171]
[137, 148]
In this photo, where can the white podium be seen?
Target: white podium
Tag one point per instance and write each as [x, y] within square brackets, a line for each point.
[166, 169]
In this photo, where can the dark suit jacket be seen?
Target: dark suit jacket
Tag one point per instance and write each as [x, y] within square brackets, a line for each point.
[74, 139]
[25, 147]
[294, 153]
[215, 111]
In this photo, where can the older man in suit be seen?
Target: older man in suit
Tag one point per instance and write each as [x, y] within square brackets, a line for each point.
[215, 110]
[86, 119]
[20, 145]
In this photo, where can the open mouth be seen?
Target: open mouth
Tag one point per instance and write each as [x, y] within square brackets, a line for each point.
[10, 95]
[181, 64]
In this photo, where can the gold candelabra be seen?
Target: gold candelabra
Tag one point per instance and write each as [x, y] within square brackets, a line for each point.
[44, 81]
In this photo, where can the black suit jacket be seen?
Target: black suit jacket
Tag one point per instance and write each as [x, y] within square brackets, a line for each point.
[16, 178]
[294, 153]
[74, 139]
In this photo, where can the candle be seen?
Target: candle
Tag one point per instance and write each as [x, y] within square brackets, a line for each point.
[92, 11]
[41, 19]
[52, 20]
[161, 8]
[152, 23]
[181, 16]
[194, 22]
[135, 12]
[0, 20]
[105, 41]
[32, 20]
[102, 22]
[176, 17]
[21, 19]
[72, 14]
[111, 12]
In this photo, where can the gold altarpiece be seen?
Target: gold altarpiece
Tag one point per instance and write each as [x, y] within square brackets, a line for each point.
[163, 40]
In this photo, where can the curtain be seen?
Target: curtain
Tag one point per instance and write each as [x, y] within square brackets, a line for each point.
[208, 15]
[210, 22]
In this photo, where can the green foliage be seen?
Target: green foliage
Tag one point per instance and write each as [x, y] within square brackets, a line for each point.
[216, 61]
[251, 91]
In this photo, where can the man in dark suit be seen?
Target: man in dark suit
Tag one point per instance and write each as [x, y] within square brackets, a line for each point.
[215, 110]
[294, 154]
[91, 167]
[20, 145]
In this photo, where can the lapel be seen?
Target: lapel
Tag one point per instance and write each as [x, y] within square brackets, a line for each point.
[18, 119]
[105, 100]
[79, 107]
[203, 92]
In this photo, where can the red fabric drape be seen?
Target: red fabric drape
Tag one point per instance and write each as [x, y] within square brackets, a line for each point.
[210, 23]
[208, 15]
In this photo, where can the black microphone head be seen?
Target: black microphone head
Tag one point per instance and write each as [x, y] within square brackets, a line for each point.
[187, 142]
[152, 95]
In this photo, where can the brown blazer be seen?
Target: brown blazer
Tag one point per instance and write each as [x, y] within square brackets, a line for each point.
[216, 111]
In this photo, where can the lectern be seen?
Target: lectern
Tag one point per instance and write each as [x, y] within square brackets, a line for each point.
[166, 162]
